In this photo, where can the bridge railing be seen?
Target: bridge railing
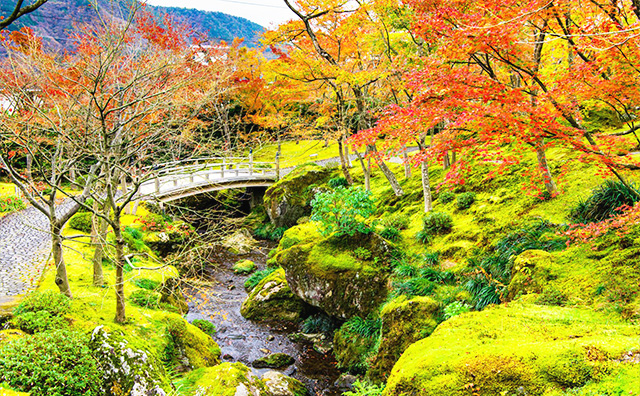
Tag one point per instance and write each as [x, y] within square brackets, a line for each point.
[187, 174]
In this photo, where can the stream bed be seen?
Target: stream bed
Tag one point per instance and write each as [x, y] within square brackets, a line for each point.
[244, 341]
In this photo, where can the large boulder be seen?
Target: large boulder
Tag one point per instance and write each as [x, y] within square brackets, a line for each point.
[404, 321]
[327, 275]
[189, 347]
[236, 379]
[272, 301]
[289, 199]
[519, 349]
[240, 242]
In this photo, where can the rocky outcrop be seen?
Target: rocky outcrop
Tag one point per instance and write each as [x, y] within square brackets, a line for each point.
[289, 199]
[189, 347]
[274, 360]
[327, 275]
[272, 301]
[240, 242]
[278, 384]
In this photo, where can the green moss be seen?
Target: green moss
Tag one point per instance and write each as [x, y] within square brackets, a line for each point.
[272, 300]
[275, 360]
[220, 380]
[531, 272]
[543, 349]
[8, 392]
[404, 321]
[186, 341]
[244, 267]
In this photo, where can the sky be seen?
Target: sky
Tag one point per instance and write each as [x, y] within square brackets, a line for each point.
[268, 13]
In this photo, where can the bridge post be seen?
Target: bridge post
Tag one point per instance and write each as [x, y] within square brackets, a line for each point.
[224, 162]
[157, 183]
[250, 162]
[277, 165]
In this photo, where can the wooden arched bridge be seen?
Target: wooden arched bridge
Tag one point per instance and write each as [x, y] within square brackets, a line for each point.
[181, 179]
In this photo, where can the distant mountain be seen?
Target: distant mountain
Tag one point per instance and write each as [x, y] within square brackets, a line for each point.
[56, 18]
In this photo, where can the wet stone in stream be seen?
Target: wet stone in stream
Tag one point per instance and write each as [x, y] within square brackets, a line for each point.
[245, 341]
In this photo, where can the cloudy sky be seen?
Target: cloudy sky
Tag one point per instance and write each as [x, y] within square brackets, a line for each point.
[268, 13]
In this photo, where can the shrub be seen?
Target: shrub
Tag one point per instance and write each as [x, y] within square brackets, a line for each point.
[446, 196]
[365, 389]
[414, 287]
[55, 303]
[206, 326]
[145, 298]
[362, 253]
[133, 239]
[397, 220]
[432, 258]
[437, 223]
[146, 284]
[343, 211]
[367, 328]
[81, 222]
[338, 182]
[152, 222]
[604, 202]
[424, 236]
[268, 231]
[455, 309]
[255, 278]
[317, 324]
[51, 363]
[465, 200]
[11, 204]
[39, 321]
[390, 233]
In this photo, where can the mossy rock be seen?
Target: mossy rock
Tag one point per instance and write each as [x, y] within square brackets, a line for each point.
[289, 199]
[274, 360]
[240, 242]
[516, 348]
[326, 275]
[189, 347]
[9, 392]
[531, 272]
[171, 294]
[244, 267]
[127, 368]
[273, 301]
[226, 379]
[404, 321]
[236, 379]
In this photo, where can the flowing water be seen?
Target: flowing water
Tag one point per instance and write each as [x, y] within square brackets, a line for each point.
[244, 341]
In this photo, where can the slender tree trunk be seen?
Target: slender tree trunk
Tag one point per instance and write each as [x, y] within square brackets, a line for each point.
[123, 181]
[119, 241]
[544, 166]
[426, 187]
[343, 164]
[62, 281]
[397, 189]
[405, 159]
[454, 156]
[98, 239]
[366, 170]
[346, 155]
[29, 166]
[447, 162]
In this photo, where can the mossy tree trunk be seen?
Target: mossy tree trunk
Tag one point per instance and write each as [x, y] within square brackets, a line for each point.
[426, 183]
[366, 169]
[99, 240]
[343, 163]
[393, 181]
[62, 281]
[544, 167]
[121, 316]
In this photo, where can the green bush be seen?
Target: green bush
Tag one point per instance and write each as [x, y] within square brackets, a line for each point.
[55, 303]
[268, 231]
[367, 328]
[81, 222]
[338, 182]
[39, 321]
[446, 196]
[437, 223]
[146, 284]
[343, 211]
[413, 287]
[397, 220]
[604, 202]
[432, 258]
[145, 298]
[53, 363]
[454, 309]
[390, 233]
[465, 200]
[362, 253]
[206, 326]
[255, 278]
[365, 389]
[11, 204]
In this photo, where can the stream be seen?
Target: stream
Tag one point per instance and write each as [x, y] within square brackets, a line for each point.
[244, 341]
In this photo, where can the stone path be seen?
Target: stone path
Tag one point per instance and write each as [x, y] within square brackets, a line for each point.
[25, 245]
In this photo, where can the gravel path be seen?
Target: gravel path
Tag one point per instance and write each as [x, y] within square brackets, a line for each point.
[25, 245]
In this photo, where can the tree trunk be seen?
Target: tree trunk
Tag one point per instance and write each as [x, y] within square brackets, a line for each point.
[426, 187]
[123, 182]
[447, 162]
[120, 307]
[62, 281]
[366, 169]
[346, 155]
[29, 166]
[544, 167]
[397, 190]
[98, 239]
[405, 159]
[343, 165]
